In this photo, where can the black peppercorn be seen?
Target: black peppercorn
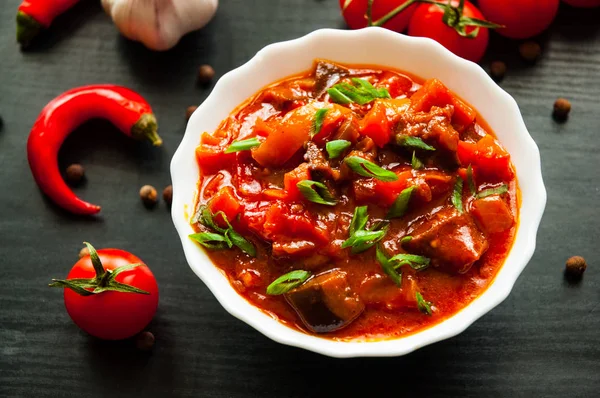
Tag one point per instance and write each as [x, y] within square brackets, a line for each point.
[562, 107]
[74, 174]
[144, 341]
[530, 51]
[168, 195]
[205, 74]
[497, 70]
[189, 111]
[148, 195]
[575, 267]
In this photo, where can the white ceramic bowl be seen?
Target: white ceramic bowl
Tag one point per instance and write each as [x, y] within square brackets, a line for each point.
[422, 57]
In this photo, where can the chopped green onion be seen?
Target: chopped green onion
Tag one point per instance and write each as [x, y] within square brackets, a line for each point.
[413, 142]
[244, 145]
[457, 195]
[287, 282]
[336, 147]
[366, 168]
[493, 191]
[361, 239]
[318, 122]
[400, 205]
[361, 92]
[316, 192]
[471, 180]
[406, 239]
[418, 263]
[337, 96]
[359, 219]
[212, 240]
[424, 306]
[415, 162]
[388, 267]
[223, 237]
[241, 242]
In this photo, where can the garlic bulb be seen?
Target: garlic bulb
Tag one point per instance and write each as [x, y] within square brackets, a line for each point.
[159, 24]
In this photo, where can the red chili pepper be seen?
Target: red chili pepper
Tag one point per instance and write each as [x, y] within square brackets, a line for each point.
[35, 15]
[124, 108]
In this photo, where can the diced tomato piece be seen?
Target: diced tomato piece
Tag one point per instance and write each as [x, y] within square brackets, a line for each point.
[467, 153]
[287, 137]
[493, 214]
[387, 192]
[379, 291]
[375, 124]
[211, 155]
[225, 201]
[246, 182]
[291, 178]
[395, 84]
[487, 156]
[281, 224]
[211, 159]
[428, 183]
[435, 93]
[213, 184]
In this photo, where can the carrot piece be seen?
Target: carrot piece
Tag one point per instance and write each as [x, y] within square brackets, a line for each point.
[435, 93]
[487, 156]
[493, 214]
[285, 140]
[463, 115]
[262, 128]
[292, 178]
[376, 125]
[225, 201]
[273, 193]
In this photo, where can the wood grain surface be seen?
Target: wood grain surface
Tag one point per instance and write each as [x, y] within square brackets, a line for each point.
[543, 341]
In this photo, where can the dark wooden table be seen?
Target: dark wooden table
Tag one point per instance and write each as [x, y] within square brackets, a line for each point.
[543, 341]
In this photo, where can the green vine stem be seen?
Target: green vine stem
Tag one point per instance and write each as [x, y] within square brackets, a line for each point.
[104, 280]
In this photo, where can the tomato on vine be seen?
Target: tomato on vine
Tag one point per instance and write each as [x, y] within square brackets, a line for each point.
[110, 293]
[523, 20]
[381, 11]
[457, 25]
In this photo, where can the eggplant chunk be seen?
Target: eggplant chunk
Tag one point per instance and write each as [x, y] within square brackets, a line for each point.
[326, 302]
[451, 239]
[326, 75]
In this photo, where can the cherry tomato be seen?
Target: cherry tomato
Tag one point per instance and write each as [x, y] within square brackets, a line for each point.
[522, 19]
[427, 22]
[583, 3]
[112, 315]
[354, 12]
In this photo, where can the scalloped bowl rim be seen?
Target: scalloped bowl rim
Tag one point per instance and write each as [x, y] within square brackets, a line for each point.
[374, 46]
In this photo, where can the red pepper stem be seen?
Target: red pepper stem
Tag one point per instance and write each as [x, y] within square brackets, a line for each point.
[98, 267]
[146, 128]
[27, 28]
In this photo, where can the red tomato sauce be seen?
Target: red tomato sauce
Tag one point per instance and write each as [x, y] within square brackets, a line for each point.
[425, 136]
